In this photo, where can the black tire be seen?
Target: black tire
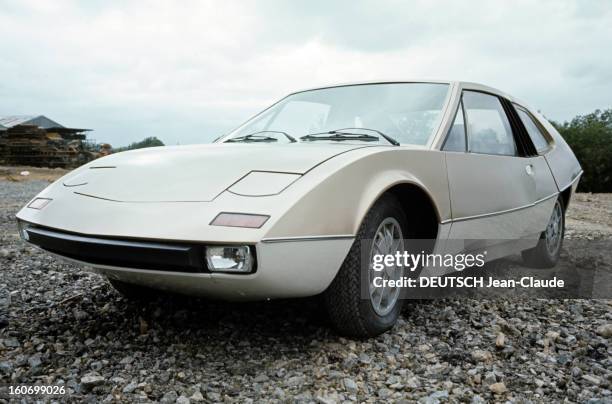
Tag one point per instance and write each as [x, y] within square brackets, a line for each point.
[131, 291]
[540, 256]
[350, 314]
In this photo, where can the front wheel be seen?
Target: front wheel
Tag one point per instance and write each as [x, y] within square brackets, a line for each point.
[546, 253]
[382, 232]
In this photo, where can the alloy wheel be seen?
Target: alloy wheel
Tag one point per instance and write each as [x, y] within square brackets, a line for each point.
[554, 230]
[388, 239]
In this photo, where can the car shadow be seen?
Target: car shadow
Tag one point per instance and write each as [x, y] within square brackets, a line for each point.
[290, 317]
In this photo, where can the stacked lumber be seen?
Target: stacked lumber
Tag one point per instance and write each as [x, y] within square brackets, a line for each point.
[33, 146]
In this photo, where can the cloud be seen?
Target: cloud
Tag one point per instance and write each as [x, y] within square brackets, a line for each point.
[189, 71]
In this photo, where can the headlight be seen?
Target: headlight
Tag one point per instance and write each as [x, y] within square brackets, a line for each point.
[229, 259]
[263, 183]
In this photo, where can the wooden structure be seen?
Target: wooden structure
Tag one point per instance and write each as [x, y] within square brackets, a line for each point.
[40, 142]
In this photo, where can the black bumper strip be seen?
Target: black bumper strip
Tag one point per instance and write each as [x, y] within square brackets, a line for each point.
[122, 253]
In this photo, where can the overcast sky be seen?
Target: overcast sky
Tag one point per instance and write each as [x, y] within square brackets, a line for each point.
[187, 71]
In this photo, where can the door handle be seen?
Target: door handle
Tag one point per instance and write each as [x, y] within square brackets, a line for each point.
[529, 169]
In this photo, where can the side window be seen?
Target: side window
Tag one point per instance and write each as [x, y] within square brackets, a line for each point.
[538, 139]
[488, 128]
[455, 141]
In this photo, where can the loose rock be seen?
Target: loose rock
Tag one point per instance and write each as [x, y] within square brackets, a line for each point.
[498, 388]
[481, 356]
[91, 380]
[605, 330]
[500, 341]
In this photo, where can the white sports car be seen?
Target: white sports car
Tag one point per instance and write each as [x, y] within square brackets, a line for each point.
[282, 206]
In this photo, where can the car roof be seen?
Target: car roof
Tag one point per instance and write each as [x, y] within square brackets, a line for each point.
[468, 85]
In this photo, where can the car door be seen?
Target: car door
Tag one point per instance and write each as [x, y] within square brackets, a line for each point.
[492, 187]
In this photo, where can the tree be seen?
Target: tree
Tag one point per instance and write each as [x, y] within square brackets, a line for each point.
[590, 137]
[147, 142]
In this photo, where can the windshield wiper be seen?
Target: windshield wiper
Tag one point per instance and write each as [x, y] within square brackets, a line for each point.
[252, 138]
[259, 137]
[349, 134]
[340, 137]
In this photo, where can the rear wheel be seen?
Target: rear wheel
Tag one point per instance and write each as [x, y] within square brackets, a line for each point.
[546, 253]
[382, 232]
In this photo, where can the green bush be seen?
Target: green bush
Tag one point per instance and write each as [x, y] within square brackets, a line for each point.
[590, 137]
[147, 142]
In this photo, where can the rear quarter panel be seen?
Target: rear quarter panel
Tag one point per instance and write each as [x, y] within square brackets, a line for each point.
[563, 163]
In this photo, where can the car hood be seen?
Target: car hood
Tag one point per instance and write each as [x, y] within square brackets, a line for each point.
[191, 173]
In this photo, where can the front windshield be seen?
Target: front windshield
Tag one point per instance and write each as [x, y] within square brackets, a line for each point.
[406, 112]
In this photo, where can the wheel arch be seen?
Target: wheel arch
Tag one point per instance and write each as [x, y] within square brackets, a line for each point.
[566, 196]
[417, 204]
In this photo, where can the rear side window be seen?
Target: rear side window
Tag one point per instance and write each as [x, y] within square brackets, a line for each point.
[456, 137]
[488, 128]
[538, 139]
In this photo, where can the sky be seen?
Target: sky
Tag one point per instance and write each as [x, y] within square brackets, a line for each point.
[189, 71]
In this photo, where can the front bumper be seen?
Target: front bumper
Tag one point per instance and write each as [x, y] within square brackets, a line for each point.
[293, 268]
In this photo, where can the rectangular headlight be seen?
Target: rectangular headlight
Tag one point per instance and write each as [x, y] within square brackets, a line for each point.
[229, 259]
[239, 220]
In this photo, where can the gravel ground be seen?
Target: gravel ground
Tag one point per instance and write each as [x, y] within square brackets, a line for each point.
[61, 326]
